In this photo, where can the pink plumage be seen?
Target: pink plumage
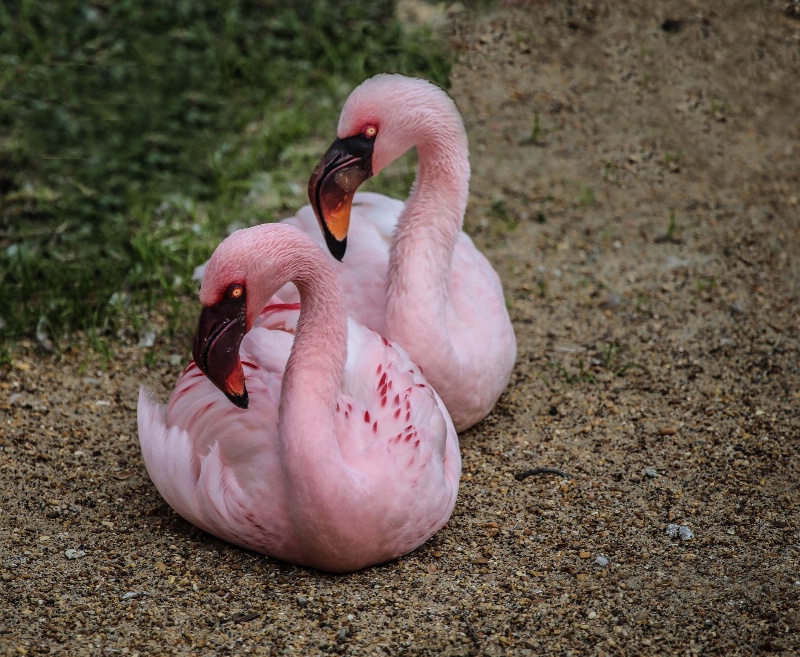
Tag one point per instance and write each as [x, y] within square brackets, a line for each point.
[311, 472]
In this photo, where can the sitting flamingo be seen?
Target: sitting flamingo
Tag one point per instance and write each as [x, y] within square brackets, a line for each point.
[339, 456]
[411, 273]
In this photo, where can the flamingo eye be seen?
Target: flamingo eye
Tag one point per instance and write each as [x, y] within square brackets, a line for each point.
[235, 291]
[370, 131]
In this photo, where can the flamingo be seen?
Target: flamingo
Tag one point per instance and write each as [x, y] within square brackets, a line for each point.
[427, 286]
[328, 448]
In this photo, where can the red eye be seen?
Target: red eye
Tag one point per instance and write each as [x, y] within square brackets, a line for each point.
[235, 291]
[370, 131]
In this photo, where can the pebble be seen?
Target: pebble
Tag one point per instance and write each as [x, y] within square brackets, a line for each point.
[301, 600]
[682, 531]
[148, 339]
[611, 301]
[650, 472]
[591, 615]
[74, 554]
[601, 560]
[130, 595]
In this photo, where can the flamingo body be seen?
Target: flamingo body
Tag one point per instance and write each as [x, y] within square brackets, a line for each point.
[472, 347]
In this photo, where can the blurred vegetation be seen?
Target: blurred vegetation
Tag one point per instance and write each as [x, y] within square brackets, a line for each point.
[135, 134]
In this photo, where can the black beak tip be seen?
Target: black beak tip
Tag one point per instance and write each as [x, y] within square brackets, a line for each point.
[336, 247]
[242, 401]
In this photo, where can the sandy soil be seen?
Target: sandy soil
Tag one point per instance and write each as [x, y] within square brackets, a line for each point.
[636, 183]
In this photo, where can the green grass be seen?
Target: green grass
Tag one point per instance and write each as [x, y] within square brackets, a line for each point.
[586, 196]
[672, 234]
[135, 135]
[505, 220]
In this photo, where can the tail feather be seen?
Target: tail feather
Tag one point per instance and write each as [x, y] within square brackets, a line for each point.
[168, 457]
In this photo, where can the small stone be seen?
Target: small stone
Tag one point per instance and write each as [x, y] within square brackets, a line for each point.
[601, 560]
[74, 554]
[302, 600]
[679, 531]
[591, 615]
[583, 554]
[342, 634]
[651, 472]
[668, 430]
[161, 567]
[147, 339]
[611, 301]
[131, 595]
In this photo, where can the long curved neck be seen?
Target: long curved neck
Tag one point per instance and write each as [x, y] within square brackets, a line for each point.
[319, 484]
[277, 254]
[313, 375]
[425, 237]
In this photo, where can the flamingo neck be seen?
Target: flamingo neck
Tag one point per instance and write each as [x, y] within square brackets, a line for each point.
[318, 355]
[425, 238]
[314, 371]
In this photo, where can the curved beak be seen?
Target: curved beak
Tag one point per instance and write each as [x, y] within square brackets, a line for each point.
[216, 347]
[346, 164]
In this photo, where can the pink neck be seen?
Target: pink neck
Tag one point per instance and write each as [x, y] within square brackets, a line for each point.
[314, 371]
[319, 484]
[427, 229]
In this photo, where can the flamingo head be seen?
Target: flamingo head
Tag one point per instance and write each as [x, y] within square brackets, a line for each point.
[221, 329]
[225, 320]
[346, 164]
[382, 118]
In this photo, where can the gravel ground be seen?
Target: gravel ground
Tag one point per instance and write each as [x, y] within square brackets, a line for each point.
[636, 183]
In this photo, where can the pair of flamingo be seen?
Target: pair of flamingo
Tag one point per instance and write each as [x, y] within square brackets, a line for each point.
[336, 452]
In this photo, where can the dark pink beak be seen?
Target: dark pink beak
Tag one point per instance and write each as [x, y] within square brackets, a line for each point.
[220, 332]
[345, 166]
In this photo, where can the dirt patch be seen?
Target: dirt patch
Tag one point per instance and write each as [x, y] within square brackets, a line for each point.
[636, 183]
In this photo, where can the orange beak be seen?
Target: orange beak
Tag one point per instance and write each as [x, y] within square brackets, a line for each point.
[343, 168]
[216, 347]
